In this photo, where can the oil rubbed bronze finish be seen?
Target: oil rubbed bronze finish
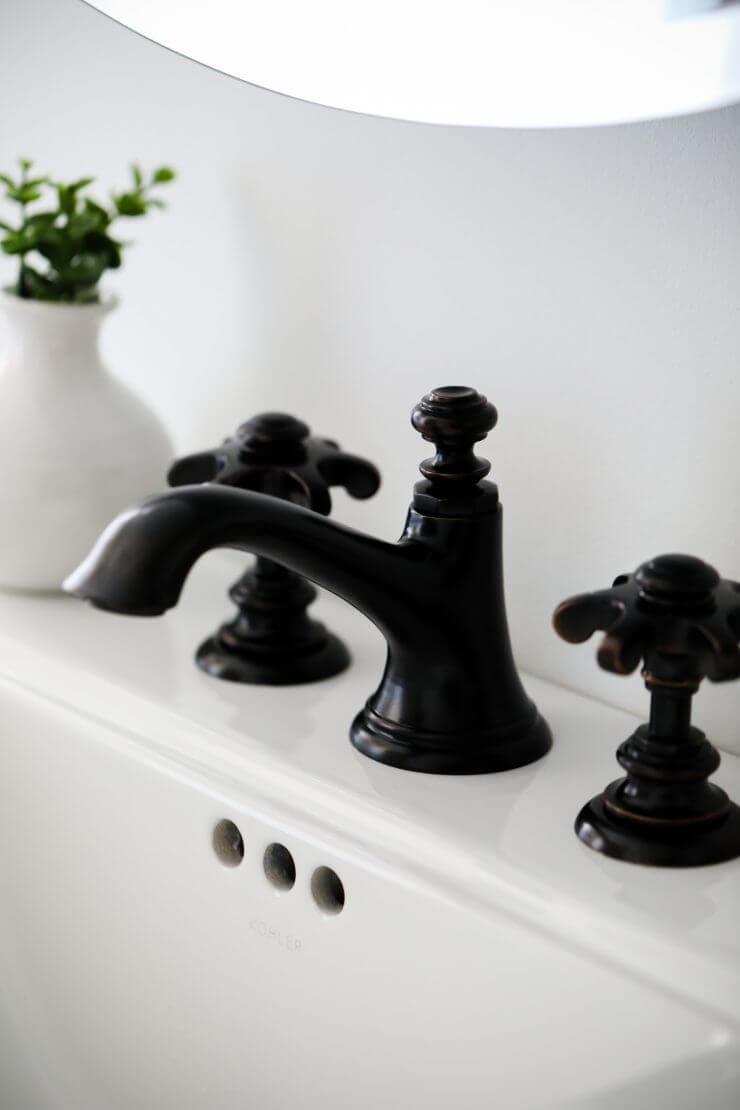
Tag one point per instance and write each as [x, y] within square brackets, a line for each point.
[677, 615]
[450, 699]
[272, 640]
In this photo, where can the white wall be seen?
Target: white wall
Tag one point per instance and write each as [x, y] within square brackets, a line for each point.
[339, 266]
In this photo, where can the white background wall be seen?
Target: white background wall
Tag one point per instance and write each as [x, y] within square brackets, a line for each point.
[338, 266]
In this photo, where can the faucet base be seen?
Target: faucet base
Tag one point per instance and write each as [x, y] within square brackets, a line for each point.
[272, 641]
[455, 753]
[325, 657]
[659, 844]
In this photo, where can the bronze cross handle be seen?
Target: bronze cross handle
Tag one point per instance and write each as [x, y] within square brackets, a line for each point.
[275, 453]
[272, 640]
[677, 616]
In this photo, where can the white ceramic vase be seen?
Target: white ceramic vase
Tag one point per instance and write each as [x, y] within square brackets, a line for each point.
[76, 446]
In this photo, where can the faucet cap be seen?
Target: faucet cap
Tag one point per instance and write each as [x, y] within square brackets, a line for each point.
[676, 578]
[454, 418]
[273, 435]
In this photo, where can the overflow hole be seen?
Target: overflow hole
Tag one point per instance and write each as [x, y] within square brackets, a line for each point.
[279, 866]
[228, 843]
[327, 890]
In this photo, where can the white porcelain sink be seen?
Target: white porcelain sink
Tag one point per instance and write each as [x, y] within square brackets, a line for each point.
[483, 957]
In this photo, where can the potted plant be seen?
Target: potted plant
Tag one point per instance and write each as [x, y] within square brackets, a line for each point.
[75, 444]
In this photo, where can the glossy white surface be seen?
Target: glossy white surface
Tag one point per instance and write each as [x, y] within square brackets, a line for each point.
[75, 443]
[483, 955]
[504, 64]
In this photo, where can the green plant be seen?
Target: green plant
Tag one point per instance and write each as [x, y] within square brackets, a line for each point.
[64, 248]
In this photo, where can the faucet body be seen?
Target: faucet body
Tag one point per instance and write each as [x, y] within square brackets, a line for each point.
[450, 699]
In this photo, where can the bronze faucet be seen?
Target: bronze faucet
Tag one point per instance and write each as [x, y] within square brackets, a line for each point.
[450, 699]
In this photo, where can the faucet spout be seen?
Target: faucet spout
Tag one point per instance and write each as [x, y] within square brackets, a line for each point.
[141, 561]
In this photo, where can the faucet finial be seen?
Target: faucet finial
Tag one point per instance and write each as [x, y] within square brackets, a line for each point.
[454, 418]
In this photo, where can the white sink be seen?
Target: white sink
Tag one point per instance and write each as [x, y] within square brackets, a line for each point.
[483, 956]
